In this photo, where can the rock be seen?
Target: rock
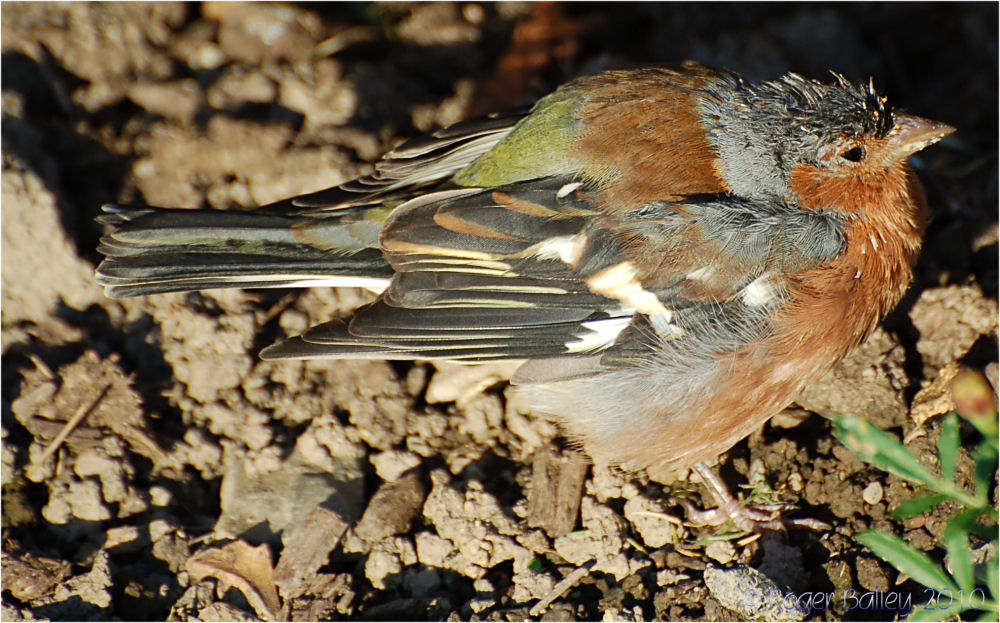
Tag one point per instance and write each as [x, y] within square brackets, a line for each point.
[721, 551]
[751, 594]
[384, 570]
[33, 281]
[392, 464]
[872, 494]
[392, 508]
[646, 515]
[950, 320]
[273, 502]
[259, 32]
[178, 100]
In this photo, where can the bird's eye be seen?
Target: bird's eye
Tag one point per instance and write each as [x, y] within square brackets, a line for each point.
[854, 154]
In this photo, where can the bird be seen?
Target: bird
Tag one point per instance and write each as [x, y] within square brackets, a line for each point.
[672, 253]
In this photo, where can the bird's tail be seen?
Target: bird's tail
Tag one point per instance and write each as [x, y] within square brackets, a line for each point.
[153, 250]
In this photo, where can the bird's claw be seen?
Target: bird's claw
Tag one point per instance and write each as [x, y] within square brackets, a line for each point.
[754, 518]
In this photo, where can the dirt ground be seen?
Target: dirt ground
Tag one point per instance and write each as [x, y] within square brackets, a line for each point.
[199, 483]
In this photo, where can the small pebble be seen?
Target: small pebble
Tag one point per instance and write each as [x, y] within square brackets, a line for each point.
[795, 482]
[483, 585]
[666, 577]
[120, 535]
[722, 551]
[392, 464]
[757, 473]
[160, 496]
[293, 321]
[872, 493]
[159, 528]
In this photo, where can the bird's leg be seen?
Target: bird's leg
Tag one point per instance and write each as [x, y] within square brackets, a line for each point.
[749, 518]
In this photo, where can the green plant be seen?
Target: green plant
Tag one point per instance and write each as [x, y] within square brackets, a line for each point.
[964, 586]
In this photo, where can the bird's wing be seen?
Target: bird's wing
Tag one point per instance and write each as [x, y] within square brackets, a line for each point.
[478, 276]
[537, 270]
[418, 163]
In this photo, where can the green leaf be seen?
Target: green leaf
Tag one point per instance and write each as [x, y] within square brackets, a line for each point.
[917, 505]
[993, 577]
[879, 448]
[956, 542]
[984, 457]
[907, 559]
[948, 444]
[987, 427]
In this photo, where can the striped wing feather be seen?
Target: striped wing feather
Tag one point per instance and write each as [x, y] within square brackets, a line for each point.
[474, 282]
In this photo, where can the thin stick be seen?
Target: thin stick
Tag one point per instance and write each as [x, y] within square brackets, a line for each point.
[78, 416]
[564, 585]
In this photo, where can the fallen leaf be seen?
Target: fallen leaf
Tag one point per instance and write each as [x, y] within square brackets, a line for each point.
[243, 567]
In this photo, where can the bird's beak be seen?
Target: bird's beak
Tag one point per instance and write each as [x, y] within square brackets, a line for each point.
[910, 134]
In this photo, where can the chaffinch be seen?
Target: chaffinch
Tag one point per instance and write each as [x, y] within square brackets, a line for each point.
[674, 253]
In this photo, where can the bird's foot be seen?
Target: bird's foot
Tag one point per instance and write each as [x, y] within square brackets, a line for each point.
[755, 518]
